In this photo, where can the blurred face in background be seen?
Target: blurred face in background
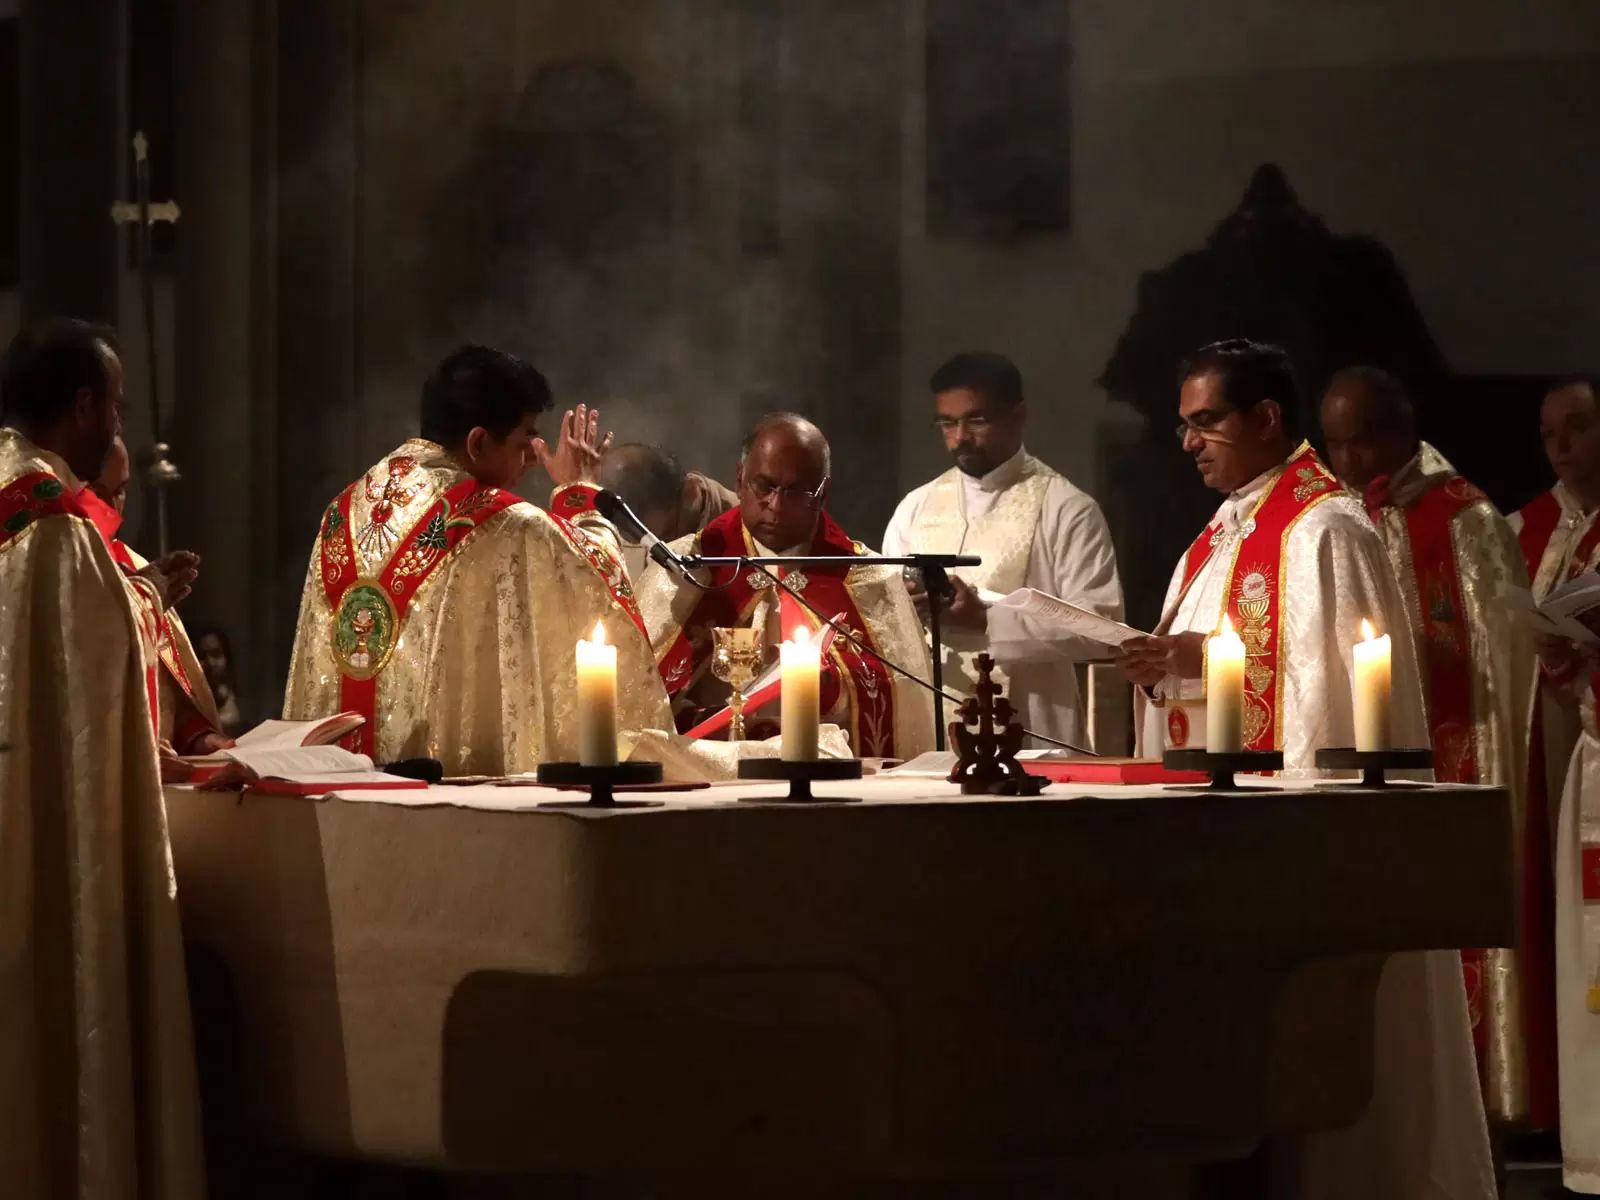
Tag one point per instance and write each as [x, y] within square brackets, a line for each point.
[1569, 424]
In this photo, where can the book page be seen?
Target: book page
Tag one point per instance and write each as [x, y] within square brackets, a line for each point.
[299, 762]
[1068, 617]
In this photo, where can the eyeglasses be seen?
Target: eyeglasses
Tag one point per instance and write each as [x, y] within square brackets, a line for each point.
[972, 424]
[764, 489]
[1204, 422]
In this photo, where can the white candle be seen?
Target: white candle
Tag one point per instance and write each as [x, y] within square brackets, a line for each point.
[597, 701]
[1372, 675]
[1225, 691]
[800, 712]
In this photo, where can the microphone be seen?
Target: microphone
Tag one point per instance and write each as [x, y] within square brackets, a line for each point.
[615, 509]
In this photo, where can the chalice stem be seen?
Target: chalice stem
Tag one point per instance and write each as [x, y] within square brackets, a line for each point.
[736, 725]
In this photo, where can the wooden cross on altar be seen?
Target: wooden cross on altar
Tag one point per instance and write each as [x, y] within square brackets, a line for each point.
[986, 757]
[140, 213]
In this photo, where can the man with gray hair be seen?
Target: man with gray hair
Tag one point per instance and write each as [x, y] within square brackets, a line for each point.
[783, 480]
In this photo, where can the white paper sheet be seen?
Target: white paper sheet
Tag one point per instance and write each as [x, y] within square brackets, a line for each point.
[1063, 614]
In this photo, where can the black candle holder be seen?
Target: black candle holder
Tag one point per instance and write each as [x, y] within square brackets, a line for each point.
[800, 773]
[1222, 765]
[1373, 763]
[601, 783]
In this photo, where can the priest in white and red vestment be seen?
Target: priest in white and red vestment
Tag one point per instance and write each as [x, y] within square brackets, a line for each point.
[1454, 556]
[446, 610]
[1292, 560]
[1560, 539]
[97, 1087]
[782, 483]
[187, 711]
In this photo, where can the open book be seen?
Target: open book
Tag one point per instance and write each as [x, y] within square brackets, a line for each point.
[288, 735]
[296, 770]
[1558, 614]
[1063, 615]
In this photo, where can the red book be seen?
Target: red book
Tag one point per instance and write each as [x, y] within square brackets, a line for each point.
[1111, 770]
[372, 782]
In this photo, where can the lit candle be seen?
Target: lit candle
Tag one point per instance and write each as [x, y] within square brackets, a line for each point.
[800, 711]
[1372, 690]
[1225, 691]
[597, 701]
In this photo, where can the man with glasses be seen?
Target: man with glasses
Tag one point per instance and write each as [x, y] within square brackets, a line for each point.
[1293, 562]
[1031, 527]
[782, 481]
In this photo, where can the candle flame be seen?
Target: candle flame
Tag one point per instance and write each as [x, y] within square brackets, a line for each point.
[1226, 628]
[802, 636]
[1368, 633]
[599, 633]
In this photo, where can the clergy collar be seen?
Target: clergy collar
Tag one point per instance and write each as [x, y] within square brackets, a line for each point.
[1571, 506]
[801, 550]
[1419, 473]
[1253, 489]
[57, 464]
[1002, 477]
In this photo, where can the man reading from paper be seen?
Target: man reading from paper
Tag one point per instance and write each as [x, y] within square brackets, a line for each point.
[447, 610]
[189, 721]
[1454, 557]
[1293, 562]
[1559, 532]
[782, 481]
[97, 1089]
[1031, 527]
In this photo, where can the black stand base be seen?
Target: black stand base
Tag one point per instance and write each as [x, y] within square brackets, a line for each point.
[800, 775]
[601, 782]
[1222, 766]
[1373, 763]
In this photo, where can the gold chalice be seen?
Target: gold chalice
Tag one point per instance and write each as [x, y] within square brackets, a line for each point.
[736, 659]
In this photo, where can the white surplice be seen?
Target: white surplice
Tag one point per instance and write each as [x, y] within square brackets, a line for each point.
[1578, 963]
[1423, 1136]
[1033, 528]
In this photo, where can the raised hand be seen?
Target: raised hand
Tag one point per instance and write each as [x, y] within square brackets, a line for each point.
[576, 458]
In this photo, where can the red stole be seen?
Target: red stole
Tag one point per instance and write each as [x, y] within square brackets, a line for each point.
[368, 613]
[1443, 638]
[1253, 594]
[1540, 518]
[25, 500]
[868, 684]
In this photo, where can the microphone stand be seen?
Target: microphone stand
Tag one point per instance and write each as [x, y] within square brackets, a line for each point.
[934, 568]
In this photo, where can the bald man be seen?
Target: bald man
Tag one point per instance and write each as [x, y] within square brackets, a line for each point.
[672, 502]
[1453, 555]
[782, 482]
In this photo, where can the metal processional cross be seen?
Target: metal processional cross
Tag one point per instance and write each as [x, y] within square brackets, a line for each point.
[142, 214]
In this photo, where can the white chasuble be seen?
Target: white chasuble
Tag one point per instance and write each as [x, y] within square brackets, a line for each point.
[97, 1085]
[1423, 1136]
[450, 613]
[1032, 528]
